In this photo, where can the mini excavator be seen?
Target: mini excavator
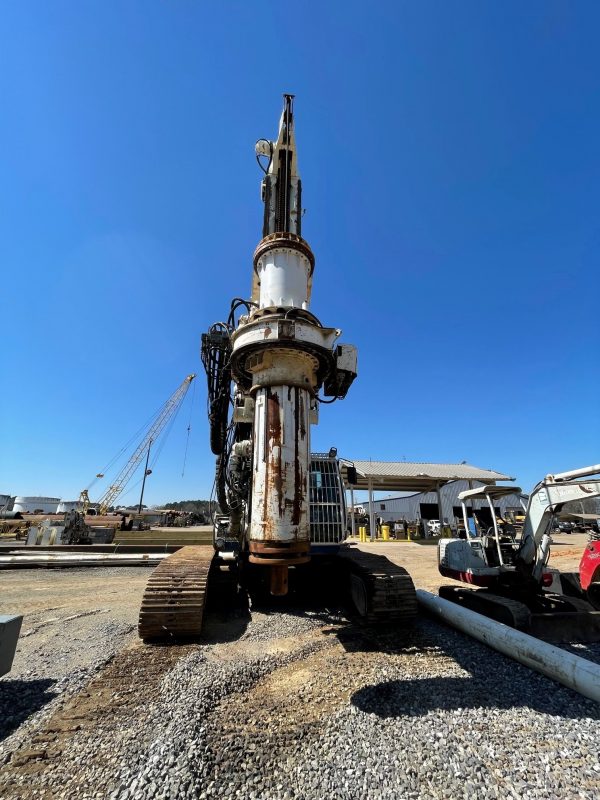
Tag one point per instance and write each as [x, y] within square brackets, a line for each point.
[282, 508]
[516, 585]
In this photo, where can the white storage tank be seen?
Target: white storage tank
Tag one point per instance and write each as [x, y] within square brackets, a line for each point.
[68, 505]
[43, 505]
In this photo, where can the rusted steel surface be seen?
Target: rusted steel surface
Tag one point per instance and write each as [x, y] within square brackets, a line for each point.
[281, 464]
[112, 520]
[284, 240]
[278, 554]
[279, 581]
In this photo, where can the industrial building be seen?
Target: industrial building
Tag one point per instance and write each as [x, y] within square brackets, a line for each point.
[68, 505]
[424, 506]
[434, 489]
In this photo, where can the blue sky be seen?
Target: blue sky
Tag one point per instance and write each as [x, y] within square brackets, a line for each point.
[449, 157]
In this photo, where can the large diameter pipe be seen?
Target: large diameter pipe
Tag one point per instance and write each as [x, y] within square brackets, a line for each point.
[573, 671]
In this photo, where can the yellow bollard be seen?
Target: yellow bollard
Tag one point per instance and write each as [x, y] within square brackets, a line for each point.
[362, 533]
[385, 531]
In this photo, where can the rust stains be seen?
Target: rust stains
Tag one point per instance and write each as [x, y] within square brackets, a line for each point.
[297, 502]
[285, 500]
[302, 401]
[265, 514]
[274, 469]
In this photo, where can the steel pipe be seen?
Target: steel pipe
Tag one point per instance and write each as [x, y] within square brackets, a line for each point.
[572, 671]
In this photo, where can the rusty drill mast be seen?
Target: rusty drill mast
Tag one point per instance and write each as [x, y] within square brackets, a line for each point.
[265, 374]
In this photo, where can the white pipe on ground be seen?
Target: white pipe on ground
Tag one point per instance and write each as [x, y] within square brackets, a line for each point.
[573, 671]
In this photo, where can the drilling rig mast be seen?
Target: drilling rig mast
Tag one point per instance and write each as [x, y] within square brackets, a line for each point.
[265, 374]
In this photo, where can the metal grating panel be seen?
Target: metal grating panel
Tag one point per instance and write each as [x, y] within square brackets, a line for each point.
[327, 501]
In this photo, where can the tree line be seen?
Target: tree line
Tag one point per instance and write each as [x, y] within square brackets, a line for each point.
[195, 506]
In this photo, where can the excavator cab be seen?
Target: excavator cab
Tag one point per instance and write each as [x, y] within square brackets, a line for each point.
[495, 546]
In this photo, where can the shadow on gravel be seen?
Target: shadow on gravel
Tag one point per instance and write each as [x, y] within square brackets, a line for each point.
[356, 637]
[220, 627]
[494, 681]
[414, 698]
[19, 699]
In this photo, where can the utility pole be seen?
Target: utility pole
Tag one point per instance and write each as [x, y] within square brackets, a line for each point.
[146, 472]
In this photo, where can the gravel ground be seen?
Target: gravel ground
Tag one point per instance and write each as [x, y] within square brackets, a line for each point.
[286, 705]
[305, 705]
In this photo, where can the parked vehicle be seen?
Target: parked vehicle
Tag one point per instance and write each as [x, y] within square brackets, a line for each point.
[565, 527]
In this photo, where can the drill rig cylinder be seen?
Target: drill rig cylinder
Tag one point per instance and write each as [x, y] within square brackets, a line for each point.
[279, 530]
[283, 273]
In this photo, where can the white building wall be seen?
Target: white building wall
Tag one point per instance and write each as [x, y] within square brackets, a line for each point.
[408, 508]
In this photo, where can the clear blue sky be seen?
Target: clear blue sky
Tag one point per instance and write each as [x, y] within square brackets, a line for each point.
[450, 161]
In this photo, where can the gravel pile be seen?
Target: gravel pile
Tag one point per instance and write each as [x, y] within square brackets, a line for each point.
[286, 624]
[304, 706]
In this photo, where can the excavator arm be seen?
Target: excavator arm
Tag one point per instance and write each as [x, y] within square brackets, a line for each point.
[546, 499]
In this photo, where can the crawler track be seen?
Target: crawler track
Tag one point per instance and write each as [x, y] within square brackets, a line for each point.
[501, 609]
[175, 596]
[382, 591]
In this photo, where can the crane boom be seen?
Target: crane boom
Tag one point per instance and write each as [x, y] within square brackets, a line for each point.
[165, 414]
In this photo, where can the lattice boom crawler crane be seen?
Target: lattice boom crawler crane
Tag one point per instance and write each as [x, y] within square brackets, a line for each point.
[281, 506]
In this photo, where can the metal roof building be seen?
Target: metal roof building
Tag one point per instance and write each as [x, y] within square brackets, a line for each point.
[410, 476]
[424, 506]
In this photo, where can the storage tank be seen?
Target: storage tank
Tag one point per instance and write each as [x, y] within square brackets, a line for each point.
[5, 502]
[43, 505]
[68, 505]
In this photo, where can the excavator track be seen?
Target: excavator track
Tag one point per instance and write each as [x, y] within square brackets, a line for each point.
[382, 592]
[497, 607]
[175, 596]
